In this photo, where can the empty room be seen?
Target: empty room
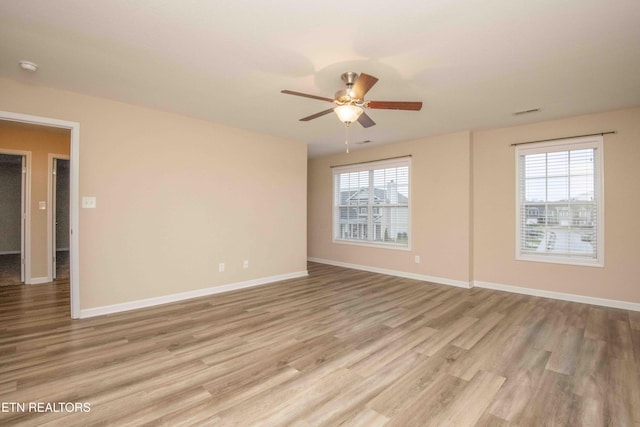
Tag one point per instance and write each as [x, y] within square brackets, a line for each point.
[334, 214]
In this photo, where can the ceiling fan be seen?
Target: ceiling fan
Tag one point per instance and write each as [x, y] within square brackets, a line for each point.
[351, 103]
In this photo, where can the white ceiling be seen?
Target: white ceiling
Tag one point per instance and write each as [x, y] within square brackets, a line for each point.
[472, 62]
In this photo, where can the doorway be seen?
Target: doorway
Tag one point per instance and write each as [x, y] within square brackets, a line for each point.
[13, 193]
[74, 157]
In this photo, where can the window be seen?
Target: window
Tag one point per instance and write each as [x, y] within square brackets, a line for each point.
[371, 203]
[560, 200]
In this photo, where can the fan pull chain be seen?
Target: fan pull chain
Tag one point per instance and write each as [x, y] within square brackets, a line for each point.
[346, 136]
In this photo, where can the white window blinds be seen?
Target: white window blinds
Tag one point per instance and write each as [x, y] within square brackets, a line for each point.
[560, 201]
[371, 203]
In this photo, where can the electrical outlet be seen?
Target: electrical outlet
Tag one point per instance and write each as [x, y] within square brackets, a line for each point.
[245, 264]
[417, 259]
[221, 267]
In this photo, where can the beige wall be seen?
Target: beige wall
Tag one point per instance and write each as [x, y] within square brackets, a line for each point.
[175, 197]
[440, 209]
[475, 242]
[494, 208]
[40, 142]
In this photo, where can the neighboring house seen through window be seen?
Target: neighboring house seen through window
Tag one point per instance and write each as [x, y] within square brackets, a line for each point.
[371, 203]
[560, 202]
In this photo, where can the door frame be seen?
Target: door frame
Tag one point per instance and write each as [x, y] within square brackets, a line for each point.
[74, 196]
[25, 213]
[51, 215]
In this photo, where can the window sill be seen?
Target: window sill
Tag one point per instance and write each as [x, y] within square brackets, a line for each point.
[368, 244]
[561, 260]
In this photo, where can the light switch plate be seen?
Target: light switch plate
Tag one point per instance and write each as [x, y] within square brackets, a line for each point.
[88, 202]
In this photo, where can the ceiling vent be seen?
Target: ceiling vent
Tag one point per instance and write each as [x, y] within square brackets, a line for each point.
[532, 110]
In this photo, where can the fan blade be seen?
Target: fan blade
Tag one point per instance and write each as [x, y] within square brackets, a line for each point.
[316, 115]
[306, 95]
[365, 121]
[362, 85]
[393, 105]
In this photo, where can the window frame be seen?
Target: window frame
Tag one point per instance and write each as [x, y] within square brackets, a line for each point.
[370, 166]
[569, 144]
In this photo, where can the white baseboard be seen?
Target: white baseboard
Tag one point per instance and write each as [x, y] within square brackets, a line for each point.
[9, 252]
[39, 280]
[150, 302]
[625, 305]
[404, 274]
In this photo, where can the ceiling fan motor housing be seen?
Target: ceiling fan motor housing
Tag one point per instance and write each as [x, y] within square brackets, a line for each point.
[344, 96]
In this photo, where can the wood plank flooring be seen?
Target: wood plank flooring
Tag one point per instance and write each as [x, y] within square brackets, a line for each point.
[341, 347]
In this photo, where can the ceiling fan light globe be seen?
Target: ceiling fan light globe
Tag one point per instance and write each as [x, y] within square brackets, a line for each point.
[348, 113]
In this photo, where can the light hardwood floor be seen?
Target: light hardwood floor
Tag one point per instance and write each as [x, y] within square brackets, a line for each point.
[341, 347]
